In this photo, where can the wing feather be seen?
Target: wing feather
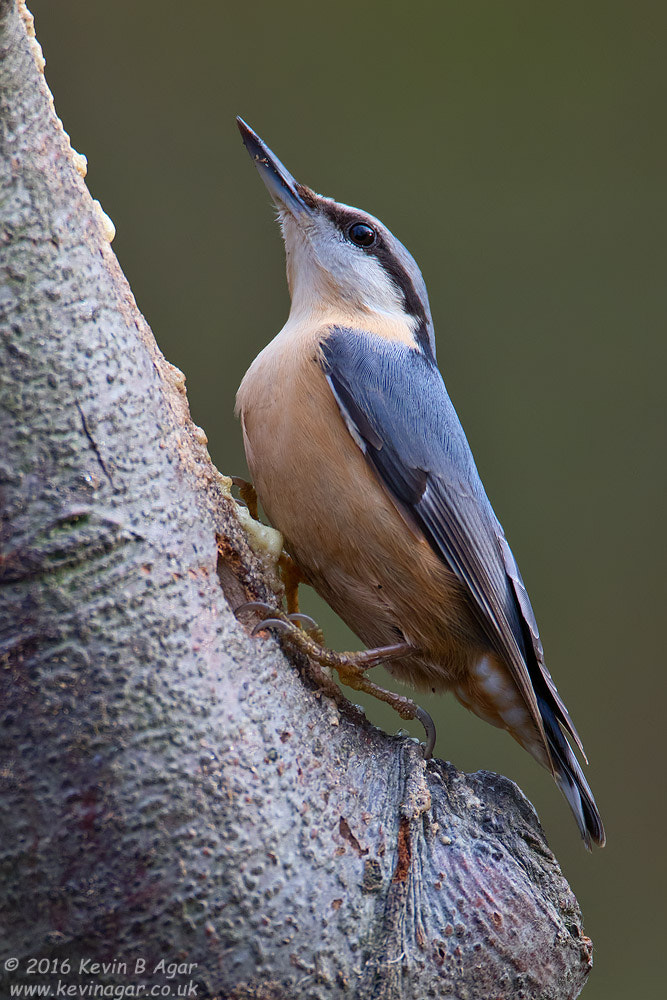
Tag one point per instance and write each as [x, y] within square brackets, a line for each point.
[396, 406]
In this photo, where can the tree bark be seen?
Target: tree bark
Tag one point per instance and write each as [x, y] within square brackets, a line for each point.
[171, 788]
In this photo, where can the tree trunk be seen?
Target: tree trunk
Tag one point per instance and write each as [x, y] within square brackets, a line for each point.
[174, 790]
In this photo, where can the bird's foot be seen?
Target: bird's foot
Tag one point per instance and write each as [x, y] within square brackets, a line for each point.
[292, 577]
[350, 666]
[248, 495]
[355, 678]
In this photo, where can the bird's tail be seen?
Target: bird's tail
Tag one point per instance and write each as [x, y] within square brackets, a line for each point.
[571, 781]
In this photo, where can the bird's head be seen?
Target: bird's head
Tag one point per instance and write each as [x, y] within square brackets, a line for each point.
[340, 257]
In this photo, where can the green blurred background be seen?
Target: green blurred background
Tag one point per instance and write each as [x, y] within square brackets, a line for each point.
[519, 151]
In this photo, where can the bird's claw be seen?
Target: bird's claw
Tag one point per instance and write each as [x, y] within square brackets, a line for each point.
[268, 623]
[277, 620]
[429, 728]
[310, 623]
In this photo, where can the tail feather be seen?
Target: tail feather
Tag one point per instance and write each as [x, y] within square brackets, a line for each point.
[571, 781]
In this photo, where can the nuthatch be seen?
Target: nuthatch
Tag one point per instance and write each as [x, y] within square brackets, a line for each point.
[359, 459]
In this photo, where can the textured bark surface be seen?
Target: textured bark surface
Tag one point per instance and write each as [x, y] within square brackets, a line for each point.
[169, 787]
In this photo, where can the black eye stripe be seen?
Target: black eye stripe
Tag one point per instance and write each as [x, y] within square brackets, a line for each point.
[344, 220]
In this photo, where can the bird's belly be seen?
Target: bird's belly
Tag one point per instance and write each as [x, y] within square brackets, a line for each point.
[344, 531]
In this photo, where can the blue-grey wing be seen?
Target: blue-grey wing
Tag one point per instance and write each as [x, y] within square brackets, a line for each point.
[396, 407]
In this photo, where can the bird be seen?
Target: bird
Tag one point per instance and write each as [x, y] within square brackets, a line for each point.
[359, 459]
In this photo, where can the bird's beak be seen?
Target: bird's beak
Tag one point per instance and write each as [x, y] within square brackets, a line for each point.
[282, 187]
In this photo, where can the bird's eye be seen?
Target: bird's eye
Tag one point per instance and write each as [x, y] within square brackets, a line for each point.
[361, 234]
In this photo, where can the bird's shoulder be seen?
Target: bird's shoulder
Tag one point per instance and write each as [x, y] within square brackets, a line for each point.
[396, 388]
